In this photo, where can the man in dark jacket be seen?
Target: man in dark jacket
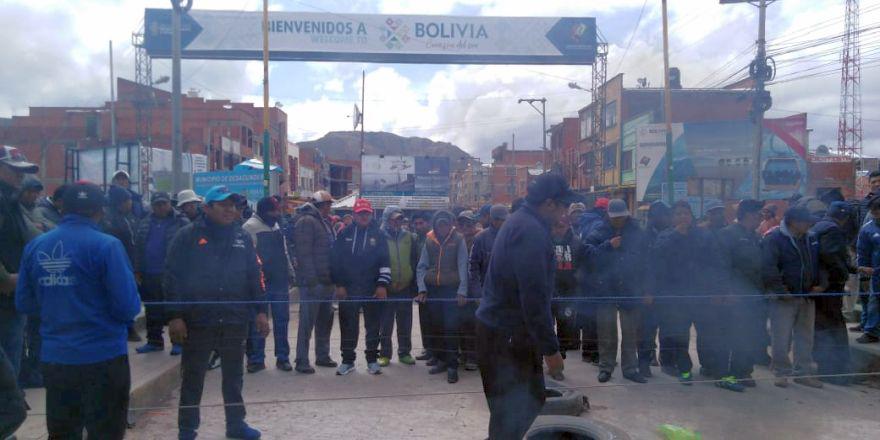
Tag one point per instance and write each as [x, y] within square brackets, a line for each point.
[481, 252]
[121, 223]
[80, 283]
[361, 270]
[313, 241]
[618, 249]
[442, 276]
[404, 257]
[421, 226]
[868, 255]
[122, 180]
[790, 262]
[49, 208]
[189, 204]
[739, 325]
[272, 251]
[587, 282]
[659, 220]
[214, 261]
[565, 312]
[15, 232]
[831, 348]
[514, 320]
[862, 217]
[152, 238]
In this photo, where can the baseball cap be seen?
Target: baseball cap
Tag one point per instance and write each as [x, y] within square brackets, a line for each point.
[601, 203]
[577, 207]
[31, 183]
[82, 197]
[498, 212]
[15, 159]
[798, 214]
[187, 196]
[467, 215]
[550, 186]
[838, 210]
[748, 206]
[117, 195]
[486, 210]
[321, 197]
[160, 196]
[617, 208]
[220, 193]
[362, 205]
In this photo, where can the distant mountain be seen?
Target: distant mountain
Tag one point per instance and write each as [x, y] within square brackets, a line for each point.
[346, 145]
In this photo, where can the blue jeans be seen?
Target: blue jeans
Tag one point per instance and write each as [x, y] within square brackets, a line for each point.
[871, 315]
[317, 316]
[256, 344]
[12, 336]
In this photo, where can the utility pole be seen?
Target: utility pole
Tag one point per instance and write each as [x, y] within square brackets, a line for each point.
[667, 110]
[178, 7]
[266, 155]
[363, 93]
[543, 112]
[761, 71]
[112, 100]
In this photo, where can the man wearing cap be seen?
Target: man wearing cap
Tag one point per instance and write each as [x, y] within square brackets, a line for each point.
[31, 188]
[49, 208]
[421, 226]
[189, 204]
[484, 216]
[15, 232]
[442, 277]
[790, 270]
[514, 319]
[659, 220]
[118, 220]
[831, 348]
[594, 217]
[213, 260]
[313, 243]
[617, 247]
[468, 225]
[29, 376]
[404, 256]
[81, 284]
[361, 270]
[122, 180]
[587, 282]
[742, 316]
[152, 236]
[272, 250]
[715, 219]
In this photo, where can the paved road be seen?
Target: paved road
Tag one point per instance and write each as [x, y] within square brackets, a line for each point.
[339, 409]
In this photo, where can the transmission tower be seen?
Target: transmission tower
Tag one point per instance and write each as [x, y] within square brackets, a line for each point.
[143, 103]
[849, 127]
[600, 73]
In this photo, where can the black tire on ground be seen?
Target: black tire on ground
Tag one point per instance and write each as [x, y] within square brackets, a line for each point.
[573, 428]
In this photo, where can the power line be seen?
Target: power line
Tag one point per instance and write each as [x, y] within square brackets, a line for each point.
[631, 38]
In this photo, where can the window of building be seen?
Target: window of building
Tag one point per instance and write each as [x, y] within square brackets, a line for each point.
[511, 189]
[611, 114]
[609, 157]
[511, 171]
[586, 125]
[92, 126]
[626, 161]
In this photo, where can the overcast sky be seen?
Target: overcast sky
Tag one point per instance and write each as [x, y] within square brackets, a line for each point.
[55, 53]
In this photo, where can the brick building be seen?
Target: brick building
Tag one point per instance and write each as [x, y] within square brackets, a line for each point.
[564, 138]
[511, 172]
[226, 132]
[470, 186]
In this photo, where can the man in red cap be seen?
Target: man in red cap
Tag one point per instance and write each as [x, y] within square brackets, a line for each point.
[361, 270]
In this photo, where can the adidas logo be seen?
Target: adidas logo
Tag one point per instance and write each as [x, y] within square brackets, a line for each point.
[56, 264]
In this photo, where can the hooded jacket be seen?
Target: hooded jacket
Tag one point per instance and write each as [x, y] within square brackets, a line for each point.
[621, 271]
[833, 251]
[313, 239]
[789, 267]
[272, 250]
[360, 261]
[404, 255]
[122, 227]
[443, 262]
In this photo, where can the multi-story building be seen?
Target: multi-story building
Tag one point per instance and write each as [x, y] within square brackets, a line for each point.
[564, 138]
[512, 170]
[470, 186]
[311, 171]
[226, 132]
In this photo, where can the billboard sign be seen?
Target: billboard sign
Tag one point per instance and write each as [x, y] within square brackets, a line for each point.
[414, 182]
[314, 36]
[248, 183]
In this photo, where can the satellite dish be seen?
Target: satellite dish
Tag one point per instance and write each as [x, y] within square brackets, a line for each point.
[356, 117]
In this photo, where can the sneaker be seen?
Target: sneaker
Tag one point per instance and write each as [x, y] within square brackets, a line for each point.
[384, 361]
[730, 383]
[406, 360]
[283, 365]
[304, 369]
[452, 375]
[867, 339]
[149, 348]
[432, 362]
[856, 328]
[242, 432]
[604, 376]
[176, 349]
[344, 369]
[635, 377]
[686, 378]
[811, 382]
[424, 356]
[781, 382]
[374, 368]
[329, 363]
[437, 369]
[214, 362]
[254, 368]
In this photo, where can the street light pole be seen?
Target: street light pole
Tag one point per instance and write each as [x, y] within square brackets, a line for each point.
[266, 156]
[667, 110]
[178, 7]
[543, 112]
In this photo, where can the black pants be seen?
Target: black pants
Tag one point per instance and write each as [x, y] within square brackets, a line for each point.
[400, 311]
[228, 341]
[151, 291]
[675, 334]
[648, 328]
[710, 321]
[567, 329]
[468, 327]
[424, 320]
[13, 409]
[831, 345]
[445, 324]
[513, 381]
[30, 376]
[730, 337]
[349, 325]
[91, 396]
[589, 331]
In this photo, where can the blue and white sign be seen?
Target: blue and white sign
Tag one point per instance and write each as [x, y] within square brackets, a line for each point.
[308, 36]
[248, 183]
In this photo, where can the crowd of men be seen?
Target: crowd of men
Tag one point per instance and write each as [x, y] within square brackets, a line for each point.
[78, 265]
